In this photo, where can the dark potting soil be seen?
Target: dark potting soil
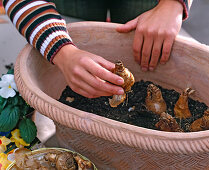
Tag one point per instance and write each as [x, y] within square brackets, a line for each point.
[133, 110]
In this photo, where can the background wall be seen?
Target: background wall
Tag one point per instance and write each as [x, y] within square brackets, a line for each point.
[197, 24]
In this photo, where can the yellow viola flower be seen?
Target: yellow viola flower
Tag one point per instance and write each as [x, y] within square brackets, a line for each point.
[4, 162]
[3, 144]
[19, 142]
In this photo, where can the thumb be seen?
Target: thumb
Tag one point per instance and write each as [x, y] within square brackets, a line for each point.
[127, 27]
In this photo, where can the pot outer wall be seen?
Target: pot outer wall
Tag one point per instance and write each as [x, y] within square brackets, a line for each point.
[111, 144]
[111, 156]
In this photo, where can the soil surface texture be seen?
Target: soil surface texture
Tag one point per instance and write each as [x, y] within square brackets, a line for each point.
[133, 110]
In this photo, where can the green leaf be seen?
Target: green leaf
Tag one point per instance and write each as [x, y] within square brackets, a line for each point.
[21, 101]
[3, 103]
[9, 118]
[25, 109]
[13, 100]
[11, 71]
[28, 130]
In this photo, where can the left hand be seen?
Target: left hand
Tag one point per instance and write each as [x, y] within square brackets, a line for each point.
[155, 32]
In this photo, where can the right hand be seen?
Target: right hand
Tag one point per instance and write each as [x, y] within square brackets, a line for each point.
[88, 74]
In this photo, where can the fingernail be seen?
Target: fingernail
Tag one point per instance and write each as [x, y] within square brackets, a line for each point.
[121, 91]
[162, 62]
[120, 81]
[151, 68]
[144, 68]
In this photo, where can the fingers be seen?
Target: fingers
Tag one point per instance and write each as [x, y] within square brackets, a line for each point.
[85, 89]
[146, 52]
[129, 26]
[90, 92]
[103, 74]
[166, 51]
[83, 92]
[105, 63]
[148, 47]
[156, 53]
[137, 46]
[95, 85]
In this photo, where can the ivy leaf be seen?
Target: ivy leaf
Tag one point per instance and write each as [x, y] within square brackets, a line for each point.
[9, 118]
[3, 103]
[28, 130]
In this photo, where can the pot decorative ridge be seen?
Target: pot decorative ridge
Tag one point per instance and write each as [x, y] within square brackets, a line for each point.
[38, 88]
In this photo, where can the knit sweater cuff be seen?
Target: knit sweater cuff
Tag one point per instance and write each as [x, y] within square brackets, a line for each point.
[56, 47]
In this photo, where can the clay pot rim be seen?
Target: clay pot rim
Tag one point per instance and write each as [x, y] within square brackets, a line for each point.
[90, 119]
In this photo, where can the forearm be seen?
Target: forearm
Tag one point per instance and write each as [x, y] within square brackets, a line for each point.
[40, 23]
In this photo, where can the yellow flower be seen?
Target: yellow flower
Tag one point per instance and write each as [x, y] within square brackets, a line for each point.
[19, 142]
[4, 162]
[3, 143]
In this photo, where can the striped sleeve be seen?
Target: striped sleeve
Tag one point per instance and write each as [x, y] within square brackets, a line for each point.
[40, 23]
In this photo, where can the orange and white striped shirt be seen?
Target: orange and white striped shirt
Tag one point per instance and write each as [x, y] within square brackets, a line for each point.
[40, 23]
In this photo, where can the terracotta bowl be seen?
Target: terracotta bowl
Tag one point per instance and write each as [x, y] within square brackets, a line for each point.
[108, 143]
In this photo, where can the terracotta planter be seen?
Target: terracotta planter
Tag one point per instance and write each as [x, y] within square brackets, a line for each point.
[108, 143]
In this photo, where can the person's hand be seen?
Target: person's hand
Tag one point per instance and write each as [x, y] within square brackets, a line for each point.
[155, 32]
[87, 74]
